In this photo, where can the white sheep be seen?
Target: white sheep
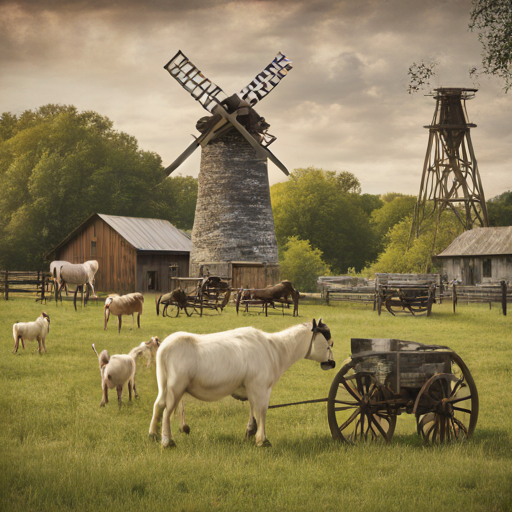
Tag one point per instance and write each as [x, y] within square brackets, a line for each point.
[115, 372]
[120, 305]
[30, 331]
[146, 350]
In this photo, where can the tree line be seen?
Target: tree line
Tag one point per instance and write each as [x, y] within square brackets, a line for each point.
[58, 166]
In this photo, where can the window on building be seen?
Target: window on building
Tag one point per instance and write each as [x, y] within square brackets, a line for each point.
[174, 270]
[487, 268]
[93, 248]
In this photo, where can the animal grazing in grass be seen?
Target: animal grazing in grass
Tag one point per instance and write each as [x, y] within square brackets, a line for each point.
[120, 305]
[81, 274]
[29, 331]
[245, 363]
[147, 350]
[274, 293]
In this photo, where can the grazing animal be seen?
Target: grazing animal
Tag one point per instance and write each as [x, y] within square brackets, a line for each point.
[29, 331]
[245, 363]
[55, 271]
[120, 305]
[177, 297]
[276, 293]
[115, 372]
[146, 350]
[76, 273]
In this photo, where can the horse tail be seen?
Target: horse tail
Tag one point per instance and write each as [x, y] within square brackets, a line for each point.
[158, 306]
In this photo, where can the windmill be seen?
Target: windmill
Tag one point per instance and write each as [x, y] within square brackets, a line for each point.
[451, 179]
[233, 220]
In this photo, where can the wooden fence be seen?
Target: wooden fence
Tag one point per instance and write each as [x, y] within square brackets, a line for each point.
[483, 294]
[13, 282]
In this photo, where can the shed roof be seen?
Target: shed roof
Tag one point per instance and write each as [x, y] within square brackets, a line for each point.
[481, 242]
[149, 234]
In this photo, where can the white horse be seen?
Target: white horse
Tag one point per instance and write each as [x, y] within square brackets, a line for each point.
[245, 363]
[76, 273]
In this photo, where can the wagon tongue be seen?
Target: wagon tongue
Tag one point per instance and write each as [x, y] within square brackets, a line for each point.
[328, 365]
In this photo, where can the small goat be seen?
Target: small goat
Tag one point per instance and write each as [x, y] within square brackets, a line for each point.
[147, 350]
[115, 372]
[31, 331]
[120, 305]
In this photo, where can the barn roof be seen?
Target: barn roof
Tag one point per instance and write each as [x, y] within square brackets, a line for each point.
[481, 242]
[149, 234]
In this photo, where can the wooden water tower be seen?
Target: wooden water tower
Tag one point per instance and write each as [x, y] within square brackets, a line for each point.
[450, 177]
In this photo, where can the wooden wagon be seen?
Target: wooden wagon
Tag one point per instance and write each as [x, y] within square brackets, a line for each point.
[386, 377]
[406, 293]
[196, 294]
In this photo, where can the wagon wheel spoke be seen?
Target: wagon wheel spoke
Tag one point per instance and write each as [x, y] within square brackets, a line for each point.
[447, 405]
[355, 408]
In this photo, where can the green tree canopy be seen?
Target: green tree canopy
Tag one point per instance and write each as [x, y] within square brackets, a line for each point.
[302, 265]
[325, 208]
[58, 166]
[499, 209]
[395, 208]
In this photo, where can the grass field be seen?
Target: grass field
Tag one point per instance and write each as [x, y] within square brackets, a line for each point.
[60, 451]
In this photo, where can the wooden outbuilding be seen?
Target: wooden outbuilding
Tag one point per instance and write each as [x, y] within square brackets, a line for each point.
[134, 254]
[479, 256]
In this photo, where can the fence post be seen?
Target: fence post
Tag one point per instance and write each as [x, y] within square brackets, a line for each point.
[504, 297]
[6, 285]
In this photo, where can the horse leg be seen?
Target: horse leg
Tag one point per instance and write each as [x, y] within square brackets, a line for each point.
[74, 299]
[158, 410]
[129, 390]
[183, 424]
[138, 320]
[172, 399]
[120, 322]
[252, 426]
[259, 400]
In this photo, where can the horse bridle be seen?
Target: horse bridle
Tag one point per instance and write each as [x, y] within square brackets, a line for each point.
[326, 334]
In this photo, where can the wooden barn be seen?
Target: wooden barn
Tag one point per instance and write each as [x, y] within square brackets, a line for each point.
[134, 254]
[479, 256]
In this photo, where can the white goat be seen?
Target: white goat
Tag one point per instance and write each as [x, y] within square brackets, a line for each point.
[120, 305]
[245, 363]
[115, 372]
[146, 350]
[31, 331]
[76, 273]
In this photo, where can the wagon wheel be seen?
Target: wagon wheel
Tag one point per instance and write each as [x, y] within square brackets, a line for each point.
[358, 407]
[446, 407]
[171, 310]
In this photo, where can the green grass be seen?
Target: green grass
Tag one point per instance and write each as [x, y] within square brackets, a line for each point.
[60, 451]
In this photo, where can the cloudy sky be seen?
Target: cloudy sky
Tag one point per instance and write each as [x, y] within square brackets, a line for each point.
[343, 107]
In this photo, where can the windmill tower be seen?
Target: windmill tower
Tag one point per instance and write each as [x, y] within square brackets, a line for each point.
[233, 220]
[450, 174]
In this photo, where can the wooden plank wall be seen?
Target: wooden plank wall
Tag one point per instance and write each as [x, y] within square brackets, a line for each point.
[257, 276]
[159, 263]
[117, 259]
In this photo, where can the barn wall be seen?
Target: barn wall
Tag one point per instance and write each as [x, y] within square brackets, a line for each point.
[469, 270]
[116, 258]
[254, 276]
[160, 263]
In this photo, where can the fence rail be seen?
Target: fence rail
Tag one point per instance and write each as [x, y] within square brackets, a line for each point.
[483, 294]
[13, 282]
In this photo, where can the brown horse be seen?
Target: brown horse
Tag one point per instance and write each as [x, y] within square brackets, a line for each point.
[276, 293]
[176, 298]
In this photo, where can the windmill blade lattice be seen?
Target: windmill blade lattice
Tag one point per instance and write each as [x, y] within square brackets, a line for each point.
[192, 80]
[265, 81]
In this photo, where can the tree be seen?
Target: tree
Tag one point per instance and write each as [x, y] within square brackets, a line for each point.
[499, 209]
[301, 264]
[395, 208]
[400, 257]
[57, 167]
[319, 206]
[492, 20]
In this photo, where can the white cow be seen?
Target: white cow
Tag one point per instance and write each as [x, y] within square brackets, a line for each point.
[245, 363]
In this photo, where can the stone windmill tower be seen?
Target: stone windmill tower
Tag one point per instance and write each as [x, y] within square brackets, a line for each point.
[450, 177]
[233, 222]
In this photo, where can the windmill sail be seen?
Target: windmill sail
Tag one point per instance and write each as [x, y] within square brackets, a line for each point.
[192, 80]
[266, 80]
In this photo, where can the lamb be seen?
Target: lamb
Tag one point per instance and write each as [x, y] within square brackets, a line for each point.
[120, 305]
[147, 350]
[29, 331]
[119, 369]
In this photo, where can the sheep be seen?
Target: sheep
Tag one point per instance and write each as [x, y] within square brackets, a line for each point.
[115, 372]
[147, 350]
[120, 305]
[29, 331]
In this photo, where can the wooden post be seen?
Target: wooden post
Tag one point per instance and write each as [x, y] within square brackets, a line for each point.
[504, 297]
[454, 296]
[6, 285]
